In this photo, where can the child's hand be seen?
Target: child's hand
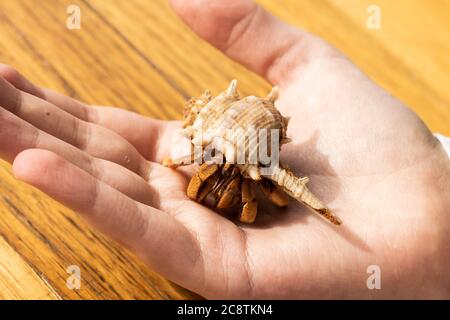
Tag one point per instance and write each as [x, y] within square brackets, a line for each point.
[369, 157]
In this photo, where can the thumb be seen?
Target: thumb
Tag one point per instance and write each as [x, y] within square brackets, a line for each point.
[253, 37]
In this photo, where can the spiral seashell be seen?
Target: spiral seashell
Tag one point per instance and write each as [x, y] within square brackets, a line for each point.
[247, 133]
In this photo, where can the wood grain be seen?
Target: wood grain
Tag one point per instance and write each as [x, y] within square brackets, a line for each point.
[137, 55]
[18, 276]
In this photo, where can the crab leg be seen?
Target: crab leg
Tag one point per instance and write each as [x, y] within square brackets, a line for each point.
[296, 188]
[207, 188]
[205, 171]
[250, 208]
[232, 193]
[271, 191]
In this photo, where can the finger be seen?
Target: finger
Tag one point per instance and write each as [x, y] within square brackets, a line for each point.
[250, 35]
[162, 241]
[17, 135]
[143, 133]
[91, 138]
[150, 137]
[17, 80]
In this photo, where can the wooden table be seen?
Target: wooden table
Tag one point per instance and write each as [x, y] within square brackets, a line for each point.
[137, 55]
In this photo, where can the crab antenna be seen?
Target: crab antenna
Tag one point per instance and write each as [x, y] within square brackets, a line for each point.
[232, 91]
[273, 95]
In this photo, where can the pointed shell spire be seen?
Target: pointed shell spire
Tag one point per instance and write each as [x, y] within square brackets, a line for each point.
[273, 95]
[232, 89]
[286, 140]
[296, 188]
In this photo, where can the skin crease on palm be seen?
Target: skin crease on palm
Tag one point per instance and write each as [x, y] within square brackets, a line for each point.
[370, 158]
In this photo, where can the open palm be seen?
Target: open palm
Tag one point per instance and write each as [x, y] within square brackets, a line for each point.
[370, 159]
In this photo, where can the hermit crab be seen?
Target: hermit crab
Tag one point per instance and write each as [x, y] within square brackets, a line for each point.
[227, 134]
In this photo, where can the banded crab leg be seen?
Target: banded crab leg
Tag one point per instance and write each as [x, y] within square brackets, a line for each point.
[205, 172]
[250, 208]
[222, 182]
[229, 192]
[273, 193]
